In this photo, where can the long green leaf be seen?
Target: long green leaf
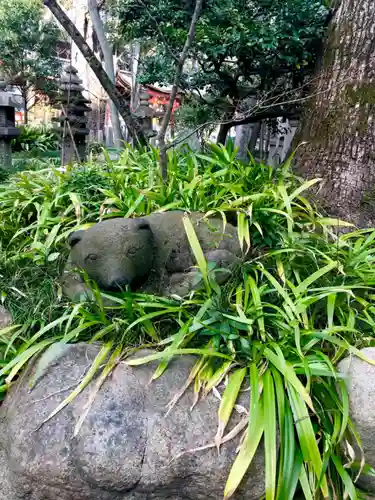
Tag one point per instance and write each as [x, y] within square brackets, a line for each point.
[16, 363]
[228, 401]
[290, 375]
[176, 343]
[96, 364]
[303, 187]
[197, 249]
[172, 352]
[218, 376]
[303, 479]
[347, 480]
[247, 451]
[270, 441]
[345, 345]
[283, 293]
[258, 304]
[287, 455]
[302, 287]
[306, 435]
[295, 475]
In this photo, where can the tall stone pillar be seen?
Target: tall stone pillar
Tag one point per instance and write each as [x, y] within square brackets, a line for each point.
[73, 119]
[145, 113]
[8, 129]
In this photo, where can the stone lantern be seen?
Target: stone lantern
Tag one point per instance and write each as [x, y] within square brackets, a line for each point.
[8, 129]
[73, 120]
[145, 113]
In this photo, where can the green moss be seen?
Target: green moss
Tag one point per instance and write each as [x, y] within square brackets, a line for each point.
[363, 94]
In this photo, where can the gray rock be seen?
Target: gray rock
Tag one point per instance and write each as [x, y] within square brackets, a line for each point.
[125, 447]
[360, 381]
[5, 318]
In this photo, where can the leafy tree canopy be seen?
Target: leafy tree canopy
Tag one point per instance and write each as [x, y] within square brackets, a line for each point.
[242, 47]
[28, 44]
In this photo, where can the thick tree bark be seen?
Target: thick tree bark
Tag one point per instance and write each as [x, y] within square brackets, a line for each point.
[108, 64]
[223, 132]
[243, 134]
[339, 121]
[254, 137]
[26, 111]
[121, 104]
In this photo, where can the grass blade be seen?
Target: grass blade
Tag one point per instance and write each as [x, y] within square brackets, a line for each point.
[110, 365]
[247, 451]
[306, 435]
[301, 288]
[270, 441]
[346, 479]
[172, 352]
[218, 376]
[303, 479]
[258, 305]
[17, 363]
[290, 375]
[287, 455]
[331, 300]
[197, 250]
[176, 343]
[100, 358]
[228, 401]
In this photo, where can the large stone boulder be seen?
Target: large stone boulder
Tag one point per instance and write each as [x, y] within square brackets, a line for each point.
[360, 381]
[127, 446]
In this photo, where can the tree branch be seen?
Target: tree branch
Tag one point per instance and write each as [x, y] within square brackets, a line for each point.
[133, 125]
[255, 111]
[177, 77]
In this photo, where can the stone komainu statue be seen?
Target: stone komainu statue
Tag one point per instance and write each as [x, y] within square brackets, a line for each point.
[149, 254]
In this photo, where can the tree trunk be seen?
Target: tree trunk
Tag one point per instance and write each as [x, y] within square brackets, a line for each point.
[254, 137]
[338, 122]
[26, 113]
[121, 104]
[108, 64]
[135, 56]
[223, 132]
[243, 134]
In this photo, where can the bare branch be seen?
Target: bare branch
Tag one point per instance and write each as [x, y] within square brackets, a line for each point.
[177, 77]
[107, 52]
[254, 114]
[133, 125]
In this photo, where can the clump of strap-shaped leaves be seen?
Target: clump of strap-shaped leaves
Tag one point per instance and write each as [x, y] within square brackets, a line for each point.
[302, 301]
[281, 330]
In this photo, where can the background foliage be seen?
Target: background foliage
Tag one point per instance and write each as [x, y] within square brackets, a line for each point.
[36, 139]
[28, 45]
[241, 48]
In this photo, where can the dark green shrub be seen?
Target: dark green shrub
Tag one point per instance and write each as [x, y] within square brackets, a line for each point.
[35, 139]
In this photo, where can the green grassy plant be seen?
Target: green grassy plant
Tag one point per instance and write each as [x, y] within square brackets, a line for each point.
[35, 139]
[302, 302]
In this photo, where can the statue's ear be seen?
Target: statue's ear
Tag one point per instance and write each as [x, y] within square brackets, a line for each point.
[75, 237]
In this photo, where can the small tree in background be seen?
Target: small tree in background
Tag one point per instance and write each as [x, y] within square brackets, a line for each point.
[28, 47]
[241, 49]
